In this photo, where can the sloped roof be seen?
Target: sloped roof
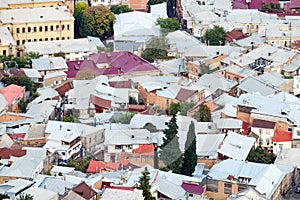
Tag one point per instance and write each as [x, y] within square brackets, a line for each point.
[76, 67]
[98, 101]
[96, 166]
[62, 89]
[85, 191]
[12, 92]
[208, 144]
[235, 35]
[126, 62]
[192, 188]
[282, 136]
[6, 153]
[236, 146]
[5, 36]
[184, 94]
[259, 123]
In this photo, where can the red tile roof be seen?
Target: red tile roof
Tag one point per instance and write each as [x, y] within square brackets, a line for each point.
[254, 4]
[103, 103]
[123, 62]
[74, 67]
[258, 123]
[184, 94]
[145, 149]
[282, 136]
[62, 89]
[192, 188]
[12, 92]
[85, 191]
[138, 108]
[6, 153]
[235, 35]
[96, 166]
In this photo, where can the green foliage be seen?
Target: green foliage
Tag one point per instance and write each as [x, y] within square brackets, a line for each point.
[21, 62]
[23, 196]
[69, 118]
[120, 9]
[100, 20]
[145, 185]
[80, 164]
[4, 196]
[21, 81]
[157, 110]
[215, 36]
[190, 156]
[186, 106]
[22, 105]
[174, 108]
[150, 127]
[156, 48]
[168, 24]
[170, 153]
[124, 118]
[80, 7]
[271, 7]
[132, 100]
[203, 114]
[34, 95]
[259, 155]
[81, 27]
[60, 174]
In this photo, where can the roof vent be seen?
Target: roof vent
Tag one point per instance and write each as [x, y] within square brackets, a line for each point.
[269, 54]
[41, 16]
[132, 136]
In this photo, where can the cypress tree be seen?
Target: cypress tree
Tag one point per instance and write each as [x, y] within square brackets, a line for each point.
[190, 156]
[145, 186]
[170, 152]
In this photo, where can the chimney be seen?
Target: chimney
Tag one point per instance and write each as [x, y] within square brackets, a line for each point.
[60, 127]
[155, 156]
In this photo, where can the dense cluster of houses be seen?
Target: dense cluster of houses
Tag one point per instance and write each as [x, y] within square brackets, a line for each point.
[120, 102]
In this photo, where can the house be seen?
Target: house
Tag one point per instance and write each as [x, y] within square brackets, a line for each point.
[234, 35]
[276, 80]
[49, 23]
[40, 193]
[264, 130]
[281, 140]
[207, 145]
[253, 85]
[254, 4]
[49, 65]
[42, 112]
[61, 170]
[124, 63]
[72, 49]
[120, 193]
[227, 124]
[288, 157]
[33, 74]
[133, 30]
[90, 136]
[193, 190]
[35, 135]
[8, 44]
[26, 167]
[6, 153]
[232, 176]
[205, 128]
[14, 187]
[64, 142]
[80, 191]
[236, 74]
[236, 146]
[55, 78]
[172, 67]
[5, 139]
[82, 70]
[13, 94]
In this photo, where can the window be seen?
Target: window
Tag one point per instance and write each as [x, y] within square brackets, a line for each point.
[90, 140]
[167, 101]
[68, 27]
[57, 27]
[63, 38]
[298, 133]
[40, 39]
[23, 41]
[46, 39]
[34, 40]
[18, 42]
[118, 147]
[51, 28]
[41, 28]
[51, 39]
[29, 40]
[63, 27]
[4, 52]
[228, 77]
[34, 29]
[46, 28]
[267, 141]
[57, 38]
[23, 30]
[261, 141]
[29, 29]
[18, 30]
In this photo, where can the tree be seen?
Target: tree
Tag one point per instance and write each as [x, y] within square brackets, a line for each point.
[80, 7]
[69, 118]
[170, 153]
[150, 127]
[145, 185]
[215, 36]
[23, 196]
[100, 20]
[189, 156]
[120, 9]
[168, 24]
[259, 155]
[124, 118]
[81, 27]
[174, 108]
[21, 81]
[4, 196]
[156, 48]
[132, 100]
[185, 107]
[22, 105]
[203, 114]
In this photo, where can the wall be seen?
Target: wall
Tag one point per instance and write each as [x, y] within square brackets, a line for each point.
[264, 134]
[58, 80]
[93, 139]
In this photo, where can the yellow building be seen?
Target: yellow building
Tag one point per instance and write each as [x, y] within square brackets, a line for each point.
[38, 24]
[7, 43]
